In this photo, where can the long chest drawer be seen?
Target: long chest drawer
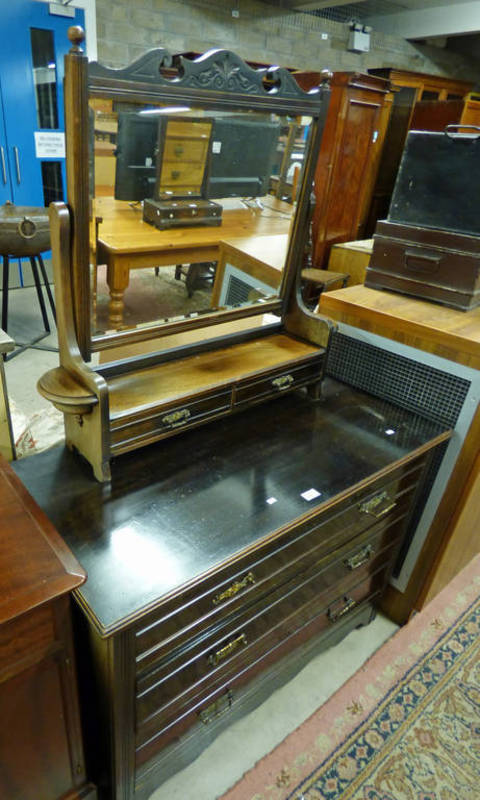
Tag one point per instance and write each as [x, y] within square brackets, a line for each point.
[266, 569]
[247, 652]
[218, 650]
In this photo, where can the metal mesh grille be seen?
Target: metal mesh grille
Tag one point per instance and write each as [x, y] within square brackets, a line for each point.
[428, 391]
[358, 12]
[237, 291]
[425, 390]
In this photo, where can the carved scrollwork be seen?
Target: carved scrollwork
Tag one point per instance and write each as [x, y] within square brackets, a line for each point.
[220, 71]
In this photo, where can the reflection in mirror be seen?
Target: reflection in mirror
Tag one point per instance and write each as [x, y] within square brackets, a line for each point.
[192, 209]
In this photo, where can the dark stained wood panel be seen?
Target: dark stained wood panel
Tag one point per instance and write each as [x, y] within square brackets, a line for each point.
[147, 531]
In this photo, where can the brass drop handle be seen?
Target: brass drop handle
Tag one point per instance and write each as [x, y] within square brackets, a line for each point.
[349, 604]
[283, 382]
[378, 506]
[227, 650]
[176, 418]
[232, 590]
[360, 558]
[176, 174]
[178, 150]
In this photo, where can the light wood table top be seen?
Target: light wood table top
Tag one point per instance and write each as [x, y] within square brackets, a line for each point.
[269, 250]
[262, 257]
[122, 229]
[126, 242]
[431, 327]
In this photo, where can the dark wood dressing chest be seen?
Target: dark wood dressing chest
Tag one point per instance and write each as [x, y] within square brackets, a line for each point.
[219, 561]
[41, 753]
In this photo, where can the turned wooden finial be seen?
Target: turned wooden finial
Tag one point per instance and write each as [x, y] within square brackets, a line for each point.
[76, 34]
[327, 75]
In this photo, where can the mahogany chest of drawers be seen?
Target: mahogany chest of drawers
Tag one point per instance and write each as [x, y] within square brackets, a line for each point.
[220, 560]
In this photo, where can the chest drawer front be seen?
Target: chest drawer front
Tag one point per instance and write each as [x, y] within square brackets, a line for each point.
[425, 263]
[150, 424]
[158, 716]
[256, 575]
[186, 151]
[278, 382]
[180, 175]
[190, 668]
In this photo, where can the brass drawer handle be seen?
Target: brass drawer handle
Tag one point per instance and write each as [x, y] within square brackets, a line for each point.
[178, 151]
[349, 604]
[232, 590]
[176, 417]
[378, 506]
[283, 382]
[360, 558]
[228, 649]
[175, 174]
[217, 708]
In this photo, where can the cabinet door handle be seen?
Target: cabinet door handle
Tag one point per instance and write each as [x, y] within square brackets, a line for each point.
[349, 603]
[17, 164]
[283, 382]
[360, 558]
[232, 590]
[228, 649]
[4, 167]
[378, 506]
[176, 418]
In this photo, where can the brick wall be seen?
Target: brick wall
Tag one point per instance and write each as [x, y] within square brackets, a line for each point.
[127, 28]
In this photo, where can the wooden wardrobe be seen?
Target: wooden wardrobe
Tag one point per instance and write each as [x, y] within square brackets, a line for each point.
[348, 161]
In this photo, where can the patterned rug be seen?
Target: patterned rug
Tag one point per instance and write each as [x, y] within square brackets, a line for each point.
[405, 727]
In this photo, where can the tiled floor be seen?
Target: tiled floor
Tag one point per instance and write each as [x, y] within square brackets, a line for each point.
[246, 741]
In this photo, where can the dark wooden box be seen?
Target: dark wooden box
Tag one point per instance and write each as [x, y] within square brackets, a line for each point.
[437, 182]
[181, 213]
[437, 265]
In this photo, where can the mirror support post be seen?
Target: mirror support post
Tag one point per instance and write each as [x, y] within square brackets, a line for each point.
[76, 143]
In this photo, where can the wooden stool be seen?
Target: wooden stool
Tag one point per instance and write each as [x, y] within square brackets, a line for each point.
[316, 281]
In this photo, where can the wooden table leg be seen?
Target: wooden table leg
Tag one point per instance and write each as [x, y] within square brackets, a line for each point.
[118, 278]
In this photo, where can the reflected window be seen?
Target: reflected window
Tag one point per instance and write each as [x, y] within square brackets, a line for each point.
[44, 77]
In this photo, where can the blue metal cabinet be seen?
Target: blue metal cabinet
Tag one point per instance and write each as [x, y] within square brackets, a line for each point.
[5, 185]
[34, 42]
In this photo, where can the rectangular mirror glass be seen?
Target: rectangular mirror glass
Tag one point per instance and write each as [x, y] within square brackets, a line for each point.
[192, 209]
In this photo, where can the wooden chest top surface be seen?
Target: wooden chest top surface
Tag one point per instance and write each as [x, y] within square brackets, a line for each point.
[176, 510]
[35, 564]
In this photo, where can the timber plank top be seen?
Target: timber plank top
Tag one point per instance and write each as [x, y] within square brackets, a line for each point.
[122, 229]
[269, 250]
[448, 333]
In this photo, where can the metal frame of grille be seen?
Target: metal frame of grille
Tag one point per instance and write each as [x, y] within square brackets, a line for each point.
[434, 393]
